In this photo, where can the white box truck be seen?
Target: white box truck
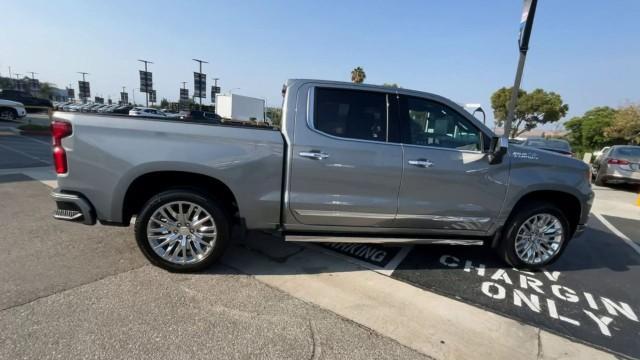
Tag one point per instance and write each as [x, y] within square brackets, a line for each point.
[240, 108]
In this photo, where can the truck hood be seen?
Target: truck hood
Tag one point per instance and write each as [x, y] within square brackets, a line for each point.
[540, 157]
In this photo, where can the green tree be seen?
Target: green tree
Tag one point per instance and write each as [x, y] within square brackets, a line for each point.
[532, 109]
[391, 85]
[358, 75]
[587, 132]
[275, 114]
[626, 124]
[6, 83]
[46, 90]
[164, 103]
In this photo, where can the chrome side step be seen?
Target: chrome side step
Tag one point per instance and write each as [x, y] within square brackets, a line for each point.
[380, 240]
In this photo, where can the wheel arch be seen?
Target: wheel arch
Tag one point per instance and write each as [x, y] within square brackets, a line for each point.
[567, 202]
[146, 185]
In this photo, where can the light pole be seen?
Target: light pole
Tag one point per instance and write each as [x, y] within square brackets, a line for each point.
[526, 24]
[200, 88]
[230, 90]
[145, 80]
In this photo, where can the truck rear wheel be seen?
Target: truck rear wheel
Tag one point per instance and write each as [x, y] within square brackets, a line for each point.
[535, 236]
[182, 230]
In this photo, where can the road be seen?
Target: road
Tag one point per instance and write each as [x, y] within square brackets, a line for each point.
[271, 299]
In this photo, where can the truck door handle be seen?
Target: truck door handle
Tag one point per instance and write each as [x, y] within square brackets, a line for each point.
[423, 163]
[314, 154]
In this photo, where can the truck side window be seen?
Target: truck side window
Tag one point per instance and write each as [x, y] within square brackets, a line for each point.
[430, 123]
[351, 114]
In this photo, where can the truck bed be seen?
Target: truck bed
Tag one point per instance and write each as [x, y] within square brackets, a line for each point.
[107, 153]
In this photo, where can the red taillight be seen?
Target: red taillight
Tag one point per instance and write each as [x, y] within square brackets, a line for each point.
[60, 159]
[59, 130]
[618, 162]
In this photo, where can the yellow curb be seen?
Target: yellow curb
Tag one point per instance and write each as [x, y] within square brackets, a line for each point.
[638, 200]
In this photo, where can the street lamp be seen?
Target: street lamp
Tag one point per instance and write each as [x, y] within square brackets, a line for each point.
[230, 90]
[145, 80]
[200, 88]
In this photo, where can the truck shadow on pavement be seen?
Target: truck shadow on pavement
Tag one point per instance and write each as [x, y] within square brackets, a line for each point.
[596, 250]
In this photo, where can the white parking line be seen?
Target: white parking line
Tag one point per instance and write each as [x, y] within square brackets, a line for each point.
[619, 233]
[24, 154]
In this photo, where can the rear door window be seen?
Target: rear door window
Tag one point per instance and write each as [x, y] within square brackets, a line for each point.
[353, 114]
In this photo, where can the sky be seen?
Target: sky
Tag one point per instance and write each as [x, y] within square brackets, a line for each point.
[588, 51]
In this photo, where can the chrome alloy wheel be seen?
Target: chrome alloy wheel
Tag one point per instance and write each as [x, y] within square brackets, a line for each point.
[181, 232]
[539, 238]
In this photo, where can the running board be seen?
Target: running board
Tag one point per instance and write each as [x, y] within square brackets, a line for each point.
[380, 240]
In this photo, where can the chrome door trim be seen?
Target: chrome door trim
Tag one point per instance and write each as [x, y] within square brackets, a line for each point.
[466, 219]
[350, 214]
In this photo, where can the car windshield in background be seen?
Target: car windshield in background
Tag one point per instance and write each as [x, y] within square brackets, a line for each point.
[549, 144]
[627, 152]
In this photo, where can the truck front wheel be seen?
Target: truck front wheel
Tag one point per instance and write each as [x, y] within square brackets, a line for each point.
[535, 236]
[182, 230]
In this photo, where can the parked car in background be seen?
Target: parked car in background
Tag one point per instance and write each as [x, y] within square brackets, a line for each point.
[25, 98]
[122, 109]
[559, 146]
[598, 154]
[147, 112]
[426, 171]
[170, 113]
[11, 110]
[201, 116]
[618, 164]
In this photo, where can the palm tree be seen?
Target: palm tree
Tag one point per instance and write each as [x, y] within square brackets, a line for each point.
[358, 75]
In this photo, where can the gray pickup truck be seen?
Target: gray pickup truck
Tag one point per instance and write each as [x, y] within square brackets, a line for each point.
[358, 162]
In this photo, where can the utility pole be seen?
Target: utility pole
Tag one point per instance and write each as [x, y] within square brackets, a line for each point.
[145, 70]
[33, 79]
[526, 24]
[205, 90]
[17, 86]
[84, 99]
[184, 84]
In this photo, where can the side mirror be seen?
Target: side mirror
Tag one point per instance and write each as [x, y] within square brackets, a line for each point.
[498, 149]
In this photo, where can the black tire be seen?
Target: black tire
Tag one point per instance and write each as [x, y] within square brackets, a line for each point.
[213, 207]
[506, 249]
[599, 180]
[8, 114]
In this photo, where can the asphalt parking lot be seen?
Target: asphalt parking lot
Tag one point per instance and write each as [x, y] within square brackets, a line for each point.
[54, 276]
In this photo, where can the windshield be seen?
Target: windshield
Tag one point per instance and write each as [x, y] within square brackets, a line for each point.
[554, 144]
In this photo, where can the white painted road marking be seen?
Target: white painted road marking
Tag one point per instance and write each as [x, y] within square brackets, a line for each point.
[619, 233]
